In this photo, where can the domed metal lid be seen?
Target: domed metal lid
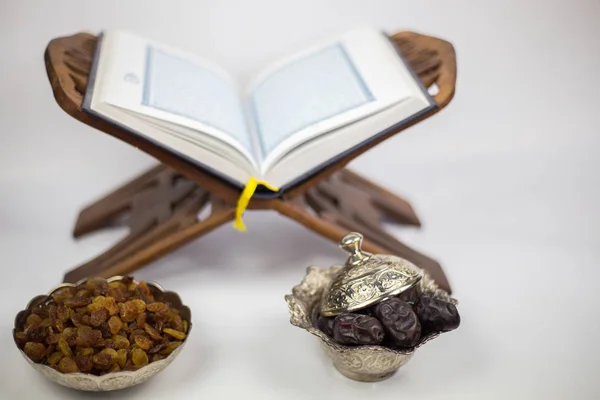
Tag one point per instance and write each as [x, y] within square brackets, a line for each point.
[366, 279]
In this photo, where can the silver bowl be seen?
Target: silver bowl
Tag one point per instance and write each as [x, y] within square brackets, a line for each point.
[360, 363]
[111, 380]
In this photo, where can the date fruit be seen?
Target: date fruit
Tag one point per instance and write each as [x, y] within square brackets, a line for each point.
[325, 324]
[349, 328]
[437, 315]
[400, 322]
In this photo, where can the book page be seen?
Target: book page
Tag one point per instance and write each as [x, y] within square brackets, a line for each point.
[324, 88]
[173, 86]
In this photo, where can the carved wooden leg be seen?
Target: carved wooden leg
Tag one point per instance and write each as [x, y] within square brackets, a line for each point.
[161, 209]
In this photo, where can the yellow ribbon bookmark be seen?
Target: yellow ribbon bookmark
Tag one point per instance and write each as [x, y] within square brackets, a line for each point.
[244, 200]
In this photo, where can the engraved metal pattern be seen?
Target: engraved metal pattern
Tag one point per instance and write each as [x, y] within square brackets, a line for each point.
[361, 363]
[367, 279]
[112, 380]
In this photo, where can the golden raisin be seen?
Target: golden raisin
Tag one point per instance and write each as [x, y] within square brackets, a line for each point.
[143, 342]
[62, 312]
[130, 310]
[63, 294]
[176, 334]
[158, 308]
[112, 353]
[93, 306]
[115, 324]
[114, 368]
[170, 348]
[121, 357]
[154, 334]
[33, 321]
[85, 351]
[70, 334]
[120, 342]
[111, 306]
[67, 365]
[55, 358]
[97, 286]
[64, 347]
[158, 357]
[185, 326]
[139, 357]
[35, 351]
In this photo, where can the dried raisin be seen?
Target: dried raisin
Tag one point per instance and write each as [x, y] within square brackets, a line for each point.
[21, 338]
[170, 348]
[141, 320]
[143, 341]
[77, 301]
[67, 365]
[131, 309]
[64, 347]
[153, 333]
[98, 317]
[88, 338]
[102, 360]
[121, 357]
[84, 362]
[35, 351]
[55, 358]
[85, 351]
[158, 308]
[63, 294]
[176, 334]
[120, 342]
[115, 324]
[139, 357]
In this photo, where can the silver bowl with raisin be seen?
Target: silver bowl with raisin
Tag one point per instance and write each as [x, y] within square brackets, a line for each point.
[102, 334]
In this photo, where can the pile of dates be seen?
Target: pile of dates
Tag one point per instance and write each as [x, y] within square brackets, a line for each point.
[101, 327]
[398, 322]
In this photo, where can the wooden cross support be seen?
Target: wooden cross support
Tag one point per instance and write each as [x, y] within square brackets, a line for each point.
[161, 207]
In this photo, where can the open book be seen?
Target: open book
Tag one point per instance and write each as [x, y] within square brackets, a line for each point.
[290, 121]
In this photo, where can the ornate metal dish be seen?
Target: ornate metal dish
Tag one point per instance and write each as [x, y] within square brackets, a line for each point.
[361, 363]
[112, 380]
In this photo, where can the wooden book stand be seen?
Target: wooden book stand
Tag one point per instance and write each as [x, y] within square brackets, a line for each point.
[161, 207]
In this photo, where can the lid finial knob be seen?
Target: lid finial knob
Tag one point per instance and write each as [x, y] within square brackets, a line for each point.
[351, 243]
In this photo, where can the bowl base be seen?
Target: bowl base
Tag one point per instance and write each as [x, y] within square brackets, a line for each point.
[362, 377]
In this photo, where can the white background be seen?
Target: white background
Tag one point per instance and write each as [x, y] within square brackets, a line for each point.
[505, 180]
